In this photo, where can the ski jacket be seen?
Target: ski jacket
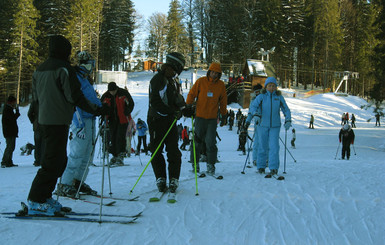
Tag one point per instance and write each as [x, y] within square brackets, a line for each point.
[88, 92]
[184, 134]
[346, 136]
[33, 114]
[141, 126]
[10, 128]
[209, 95]
[57, 90]
[121, 104]
[268, 105]
[165, 97]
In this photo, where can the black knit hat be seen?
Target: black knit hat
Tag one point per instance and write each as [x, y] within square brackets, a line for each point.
[59, 47]
[11, 98]
[112, 86]
[176, 61]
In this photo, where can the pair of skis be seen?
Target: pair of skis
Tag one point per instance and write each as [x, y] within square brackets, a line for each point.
[110, 203]
[72, 216]
[202, 175]
[171, 197]
[275, 176]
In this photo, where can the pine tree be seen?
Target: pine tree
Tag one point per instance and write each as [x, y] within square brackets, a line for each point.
[117, 33]
[156, 41]
[83, 25]
[176, 38]
[378, 91]
[22, 55]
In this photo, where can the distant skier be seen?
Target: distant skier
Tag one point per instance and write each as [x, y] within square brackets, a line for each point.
[378, 120]
[353, 119]
[311, 123]
[293, 138]
[346, 136]
[141, 127]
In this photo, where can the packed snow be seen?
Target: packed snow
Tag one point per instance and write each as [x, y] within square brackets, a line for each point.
[323, 199]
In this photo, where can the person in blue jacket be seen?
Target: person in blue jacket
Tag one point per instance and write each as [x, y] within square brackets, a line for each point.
[82, 134]
[141, 127]
[266, 109]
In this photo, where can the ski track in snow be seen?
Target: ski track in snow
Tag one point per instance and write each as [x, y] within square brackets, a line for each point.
[322, 200]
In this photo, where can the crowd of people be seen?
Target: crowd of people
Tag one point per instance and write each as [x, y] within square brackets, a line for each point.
[65, 107]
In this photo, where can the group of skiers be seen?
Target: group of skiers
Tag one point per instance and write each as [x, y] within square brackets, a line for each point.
[345, 119]
[65, 106]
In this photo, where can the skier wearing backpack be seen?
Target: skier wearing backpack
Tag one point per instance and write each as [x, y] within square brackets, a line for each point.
[267, 112]
[346, 136]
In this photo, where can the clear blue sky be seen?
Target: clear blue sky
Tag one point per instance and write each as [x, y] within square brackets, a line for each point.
[148, 7]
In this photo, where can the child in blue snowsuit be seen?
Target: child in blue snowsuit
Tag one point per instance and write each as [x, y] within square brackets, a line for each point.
[266, 108]
[82, 134]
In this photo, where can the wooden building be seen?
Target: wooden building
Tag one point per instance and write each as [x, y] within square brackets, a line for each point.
[254, 72]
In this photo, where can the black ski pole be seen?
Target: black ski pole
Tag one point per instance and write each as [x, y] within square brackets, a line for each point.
[284, 161]
[153, 155]
[105, 155]
[248, 155]
[287, 149]
[337, 151]
[354, 149]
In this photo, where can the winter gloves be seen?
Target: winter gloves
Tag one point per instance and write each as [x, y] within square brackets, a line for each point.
[287, 125]
[81, 133]
[188, 111]
[103, 111]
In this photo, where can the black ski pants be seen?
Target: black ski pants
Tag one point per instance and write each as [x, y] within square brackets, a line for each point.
[53, 163]
[158, 129]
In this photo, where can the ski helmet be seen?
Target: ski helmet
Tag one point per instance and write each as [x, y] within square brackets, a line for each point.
[85, 59]
[176, 61]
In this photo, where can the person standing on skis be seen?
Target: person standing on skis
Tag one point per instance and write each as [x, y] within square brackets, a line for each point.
[268, 106]
[209, 93]
[121, 104]
[166, 104]
[346, 136]
[82, 134]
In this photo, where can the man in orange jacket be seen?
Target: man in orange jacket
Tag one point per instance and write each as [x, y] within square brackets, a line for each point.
[209, 92]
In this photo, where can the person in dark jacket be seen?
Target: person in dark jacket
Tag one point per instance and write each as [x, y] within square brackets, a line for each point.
[33, 114]
[57, 91]
[121, 104]
[346, 136]
[165, 107]
[10, 130]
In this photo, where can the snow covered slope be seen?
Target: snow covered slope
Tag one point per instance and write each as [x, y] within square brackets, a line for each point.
[323, 200]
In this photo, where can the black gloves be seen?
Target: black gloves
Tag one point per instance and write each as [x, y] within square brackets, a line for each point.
[188, 111]
[247, 124]
[177, 115]
[104, 110]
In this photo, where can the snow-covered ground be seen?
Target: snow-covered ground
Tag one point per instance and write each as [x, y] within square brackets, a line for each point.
[323, 200]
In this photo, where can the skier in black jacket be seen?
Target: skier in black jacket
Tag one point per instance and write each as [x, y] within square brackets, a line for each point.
[57, 91]
[346, 136]
[10, 130]
[165, 105]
